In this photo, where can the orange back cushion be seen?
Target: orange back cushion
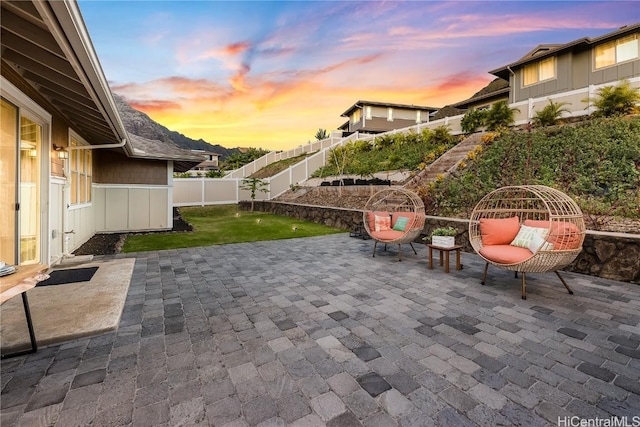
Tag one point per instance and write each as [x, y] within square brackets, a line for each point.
[499, 231]
[563, 235]
[371, 216]
[409, 215]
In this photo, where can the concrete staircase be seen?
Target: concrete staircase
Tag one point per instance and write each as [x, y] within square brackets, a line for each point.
[446, 163]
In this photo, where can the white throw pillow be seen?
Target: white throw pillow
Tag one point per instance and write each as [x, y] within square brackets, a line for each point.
[525, 236]
[538, 243]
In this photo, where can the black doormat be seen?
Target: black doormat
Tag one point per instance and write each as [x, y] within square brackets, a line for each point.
[73, 275]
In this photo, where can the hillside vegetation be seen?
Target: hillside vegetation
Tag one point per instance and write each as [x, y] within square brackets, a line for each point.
[406, 151]
[597, 162]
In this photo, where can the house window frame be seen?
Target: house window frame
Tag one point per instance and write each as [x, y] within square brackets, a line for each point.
[539, 67]
[83, 173]
[389, 114]
[357, 116]
[418, 116]
[616, 43]
[368, 112]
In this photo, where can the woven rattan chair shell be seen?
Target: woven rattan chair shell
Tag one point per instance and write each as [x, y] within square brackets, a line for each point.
[531, 202]
[396, 199]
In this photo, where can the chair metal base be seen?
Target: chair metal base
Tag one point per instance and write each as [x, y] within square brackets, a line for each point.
[524, 281]
[375, 243]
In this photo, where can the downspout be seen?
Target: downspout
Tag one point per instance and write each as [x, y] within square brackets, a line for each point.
[511, 94]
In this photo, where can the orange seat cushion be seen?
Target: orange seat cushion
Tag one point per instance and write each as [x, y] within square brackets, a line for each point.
[499, 231]
[387, 235]
[505, 254]
[564, 235]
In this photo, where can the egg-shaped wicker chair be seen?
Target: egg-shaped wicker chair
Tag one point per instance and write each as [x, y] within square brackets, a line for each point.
[527, 229]
[394, 216]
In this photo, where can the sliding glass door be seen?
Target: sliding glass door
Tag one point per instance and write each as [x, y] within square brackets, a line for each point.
[8, 182]
[20, 175]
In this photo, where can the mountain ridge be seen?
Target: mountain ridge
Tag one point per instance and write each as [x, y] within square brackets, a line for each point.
[139, 123]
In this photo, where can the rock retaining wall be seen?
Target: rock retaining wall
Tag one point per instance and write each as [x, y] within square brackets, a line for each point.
[613, 256]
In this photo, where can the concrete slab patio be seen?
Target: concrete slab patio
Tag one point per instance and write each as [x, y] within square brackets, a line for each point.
[315, 331]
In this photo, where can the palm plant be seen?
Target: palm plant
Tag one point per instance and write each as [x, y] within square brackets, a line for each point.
[500, 115]
[616, 100]
[550, 114]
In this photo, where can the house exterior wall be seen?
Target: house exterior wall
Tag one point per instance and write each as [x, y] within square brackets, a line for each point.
[378, 121]
[575, 69]
[115, 168]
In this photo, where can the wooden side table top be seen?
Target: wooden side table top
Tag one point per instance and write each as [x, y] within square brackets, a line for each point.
[440, 248]
[26, 277]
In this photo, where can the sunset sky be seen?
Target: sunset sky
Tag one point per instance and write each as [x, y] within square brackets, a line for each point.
[269, 74]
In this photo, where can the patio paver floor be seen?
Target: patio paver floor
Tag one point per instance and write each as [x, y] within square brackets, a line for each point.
[317, 332]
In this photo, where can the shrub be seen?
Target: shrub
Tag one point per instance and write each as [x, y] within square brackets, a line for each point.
[500, 116]
[550, 114]
[616, 100]
[472, 120]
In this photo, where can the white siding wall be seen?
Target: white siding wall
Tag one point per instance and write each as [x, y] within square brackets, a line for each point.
[56, 204]
[121, 208]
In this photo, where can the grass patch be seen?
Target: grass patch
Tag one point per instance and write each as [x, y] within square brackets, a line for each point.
[221, 224]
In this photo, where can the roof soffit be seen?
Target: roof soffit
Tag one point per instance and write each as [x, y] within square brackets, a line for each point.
[47, 45]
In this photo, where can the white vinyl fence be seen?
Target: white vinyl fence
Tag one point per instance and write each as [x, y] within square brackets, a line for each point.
[212, 191]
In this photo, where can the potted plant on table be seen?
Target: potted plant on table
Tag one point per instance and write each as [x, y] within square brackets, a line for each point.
[444, 237]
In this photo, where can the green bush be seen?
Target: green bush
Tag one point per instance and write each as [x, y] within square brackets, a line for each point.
[616, 100]
[406, 151]
[550, 114]
[473, 119]
[500, 116]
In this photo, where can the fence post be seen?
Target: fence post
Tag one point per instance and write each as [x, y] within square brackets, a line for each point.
[202, 191]
[529, 109]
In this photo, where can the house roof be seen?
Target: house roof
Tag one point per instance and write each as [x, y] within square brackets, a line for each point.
[543, 51]
[48, 45]
[362, 103]
[144, 148]
[496, 88]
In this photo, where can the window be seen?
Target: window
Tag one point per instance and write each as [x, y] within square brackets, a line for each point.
[368, 112]
[418, 117]
[357, 114]
[390, 114]
[616, 51]
[540, 71]
[80, 169]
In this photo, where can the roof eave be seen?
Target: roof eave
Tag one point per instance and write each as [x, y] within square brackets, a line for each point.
[68, 28]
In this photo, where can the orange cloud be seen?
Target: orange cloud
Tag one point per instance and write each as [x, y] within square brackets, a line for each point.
[235, 48]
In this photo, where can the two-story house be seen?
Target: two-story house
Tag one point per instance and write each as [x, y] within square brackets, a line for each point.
[552, 69]
[377, 117]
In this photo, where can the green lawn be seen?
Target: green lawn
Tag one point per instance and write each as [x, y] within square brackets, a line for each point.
[217, 225]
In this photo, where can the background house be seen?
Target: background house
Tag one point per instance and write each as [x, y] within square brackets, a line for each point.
[68, 168]
[377, 117]
[211, 163]
[552, 69]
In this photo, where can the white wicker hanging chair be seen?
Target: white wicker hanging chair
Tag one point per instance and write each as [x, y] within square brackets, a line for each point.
[394, 204]
[551, 215]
